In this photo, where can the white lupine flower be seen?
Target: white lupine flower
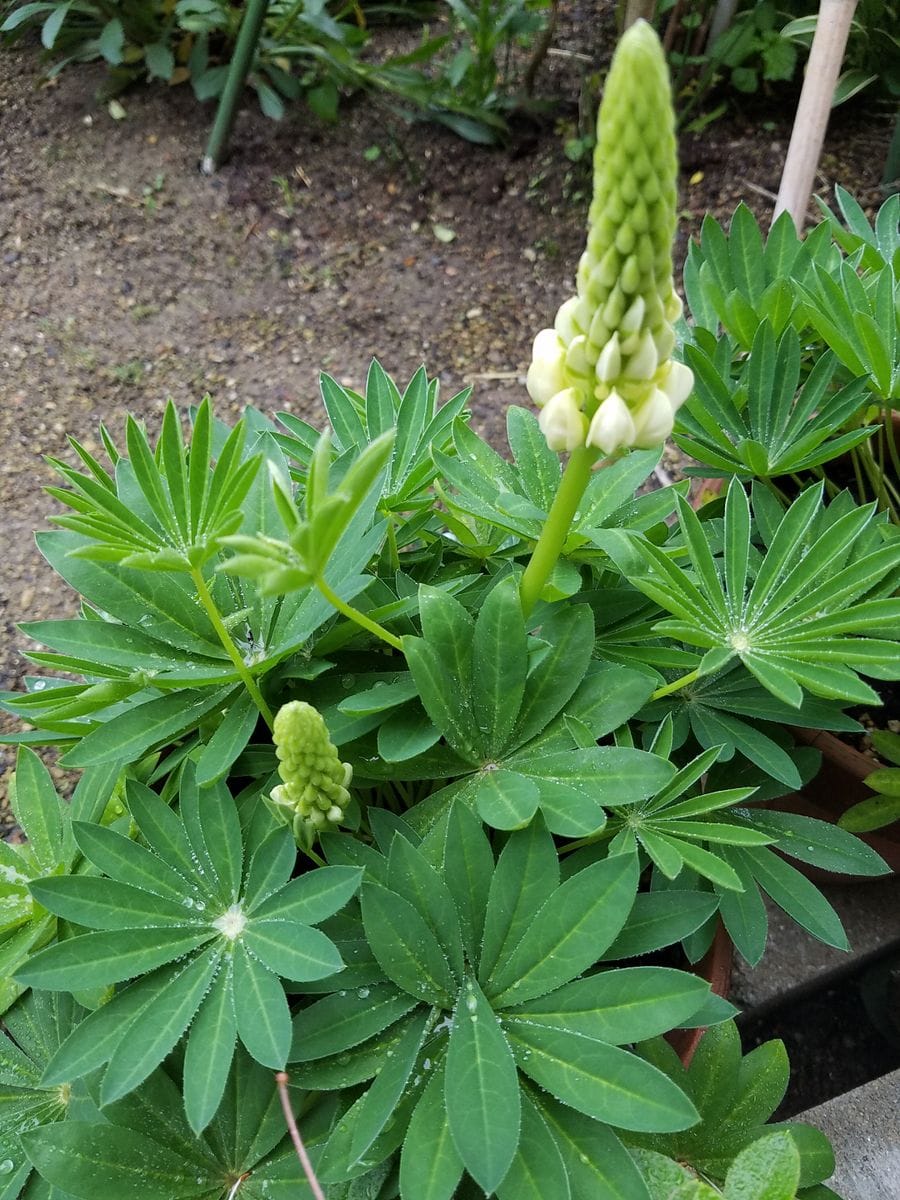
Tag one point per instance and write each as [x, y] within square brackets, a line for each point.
[634, 316]
[546, 375]
[576, 361]
[562, 422]
[678, 384]
[612, 426]
[609, 364]
[654, 420]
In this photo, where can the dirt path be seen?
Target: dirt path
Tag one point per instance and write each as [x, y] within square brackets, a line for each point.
[126, 277]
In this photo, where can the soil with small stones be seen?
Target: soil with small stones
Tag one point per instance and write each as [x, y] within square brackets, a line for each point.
[127, 277]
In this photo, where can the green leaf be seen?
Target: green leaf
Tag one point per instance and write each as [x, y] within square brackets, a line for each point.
[526, 875]
[554, 680]
[37, 808]
[162, 1023]
[160, 64]
[799, 898]
[96, 959]
[537, 1171]
[292, 950]
[406, 949]
[596, 1162]
[261, 1011]
[500, 649]
[467, 869]
[767, 1170]
[94, 1161]
[826, 846]
[107, 904]
[131, 734]
[112, 41]
[619, 1006]
[210, 1049]
[346, 1019]
[482, 1090]
[228, 741]
[571, 930]
[51, 27]
[601, 1081]
[430, 1167]
[506, 799]
[312, 897]
[381, 1099]
[411, 876]
[660, 919]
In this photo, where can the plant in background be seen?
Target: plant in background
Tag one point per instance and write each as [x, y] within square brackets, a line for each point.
[795, 350]
[397, 753]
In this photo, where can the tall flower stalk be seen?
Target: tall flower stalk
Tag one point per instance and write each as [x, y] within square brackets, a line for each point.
[603, 376]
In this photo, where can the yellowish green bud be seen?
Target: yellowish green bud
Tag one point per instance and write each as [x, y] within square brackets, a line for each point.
[609, 351]
[313, 795]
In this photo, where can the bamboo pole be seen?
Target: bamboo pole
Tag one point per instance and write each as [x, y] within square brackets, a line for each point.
[814, 108]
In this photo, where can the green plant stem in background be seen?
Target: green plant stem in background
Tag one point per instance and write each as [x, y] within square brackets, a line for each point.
[545, 555]
[890, 438]
[676, 685]
[237, 74]
[353, 614]
[230, 648]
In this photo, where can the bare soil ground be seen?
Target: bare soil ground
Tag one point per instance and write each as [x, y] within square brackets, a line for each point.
[127, 277]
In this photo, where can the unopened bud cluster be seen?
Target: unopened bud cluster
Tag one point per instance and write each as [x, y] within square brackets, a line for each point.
[603, 375]
[313, 796]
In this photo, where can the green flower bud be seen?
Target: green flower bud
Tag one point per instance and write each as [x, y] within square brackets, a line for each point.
[613, 339]
[313, 795]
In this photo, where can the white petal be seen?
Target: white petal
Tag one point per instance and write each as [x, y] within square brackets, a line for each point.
[565, 323]
[546, 375]
[654, 420]
[643, 363]
[562, 422]
[609, 364]
[678, 384]
[576, 360]
[612, 426]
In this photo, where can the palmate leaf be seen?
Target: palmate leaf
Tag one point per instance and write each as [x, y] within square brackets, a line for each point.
[182, 506]
[509, 724]
[143, 1146]
[759, 424]
[202, 939]
[665, 825]
[735, 1096]
[46, 821]
[791, 624]
[515, 1011]
[34, 1026]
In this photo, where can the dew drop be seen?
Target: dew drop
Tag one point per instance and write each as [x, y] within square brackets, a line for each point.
[39, 686]
[188, 902]
[6, 1166]
[362, 992]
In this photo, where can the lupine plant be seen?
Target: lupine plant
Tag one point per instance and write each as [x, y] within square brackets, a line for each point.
[415, 778]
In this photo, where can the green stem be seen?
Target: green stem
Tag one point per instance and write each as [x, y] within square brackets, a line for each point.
[358, 618]
[676, 685]
[857, 471]
[241, 61]
[893, 451]
[549, 545]
[230, 648]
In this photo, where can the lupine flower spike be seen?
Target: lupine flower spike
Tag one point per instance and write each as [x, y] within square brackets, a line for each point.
[603, 376]
[313, 796]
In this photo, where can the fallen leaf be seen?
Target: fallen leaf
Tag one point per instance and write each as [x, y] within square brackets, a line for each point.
[116, 111]
[443, 233]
